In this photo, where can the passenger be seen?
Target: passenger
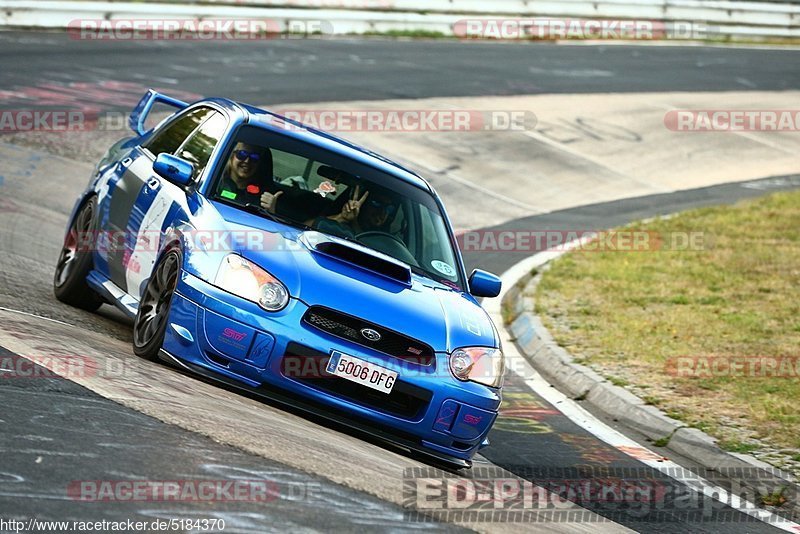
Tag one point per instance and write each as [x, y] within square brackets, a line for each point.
[343, 223]
[359, 215]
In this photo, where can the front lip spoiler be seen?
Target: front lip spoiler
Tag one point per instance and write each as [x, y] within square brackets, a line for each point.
[297, 402]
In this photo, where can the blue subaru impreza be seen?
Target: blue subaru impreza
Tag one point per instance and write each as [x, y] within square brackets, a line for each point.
[285, 261]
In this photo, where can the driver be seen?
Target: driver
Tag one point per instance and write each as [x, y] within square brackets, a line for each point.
[243, 183]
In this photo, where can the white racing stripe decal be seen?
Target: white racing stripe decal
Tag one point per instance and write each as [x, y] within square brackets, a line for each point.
[145, 252]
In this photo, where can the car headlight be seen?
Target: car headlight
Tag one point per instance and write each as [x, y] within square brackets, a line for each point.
[479, 364]
[245, 279]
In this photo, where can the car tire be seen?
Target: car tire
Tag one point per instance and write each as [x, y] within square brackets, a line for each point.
[150, 324]
[75, 263]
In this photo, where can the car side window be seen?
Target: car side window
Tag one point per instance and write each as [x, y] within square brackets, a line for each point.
[290, 169]
[174, 134]
[198, 148]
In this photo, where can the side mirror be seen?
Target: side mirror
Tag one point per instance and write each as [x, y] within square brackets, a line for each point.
[483, 284]
[176, 170]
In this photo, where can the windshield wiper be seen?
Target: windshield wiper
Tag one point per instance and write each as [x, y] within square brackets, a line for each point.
[425, 274]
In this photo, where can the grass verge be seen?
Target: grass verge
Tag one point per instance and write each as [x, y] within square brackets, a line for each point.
[693, 331]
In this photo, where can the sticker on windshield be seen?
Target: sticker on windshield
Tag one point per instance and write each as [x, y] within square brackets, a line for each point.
[325, 188]
[443, 268]
[230, 195]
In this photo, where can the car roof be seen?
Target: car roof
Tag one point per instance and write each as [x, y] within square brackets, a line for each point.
[302, 132]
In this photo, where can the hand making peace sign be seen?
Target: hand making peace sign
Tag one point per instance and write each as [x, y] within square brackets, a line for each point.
[352, 207]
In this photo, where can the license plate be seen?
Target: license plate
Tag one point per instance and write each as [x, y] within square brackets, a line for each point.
[361, 372]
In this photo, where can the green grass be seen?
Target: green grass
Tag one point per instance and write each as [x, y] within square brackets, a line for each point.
[507, 313]
[617, 381]
[662, 442]
[650, 400]
[630, 315]
[737, 446]
[774, 499]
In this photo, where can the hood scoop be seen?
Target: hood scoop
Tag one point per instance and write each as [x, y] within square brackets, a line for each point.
[357, 255]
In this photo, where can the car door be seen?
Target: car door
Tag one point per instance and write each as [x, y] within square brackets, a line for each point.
[161, 201]
[126, 189]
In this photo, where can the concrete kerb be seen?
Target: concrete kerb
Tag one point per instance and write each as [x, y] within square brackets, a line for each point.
[557, 366]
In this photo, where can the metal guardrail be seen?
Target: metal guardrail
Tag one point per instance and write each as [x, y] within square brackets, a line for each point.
[723, 19]
[743, 12]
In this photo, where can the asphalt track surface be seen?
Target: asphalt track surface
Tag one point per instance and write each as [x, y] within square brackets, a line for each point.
[69, 434]
[55, 432]
[325, 70]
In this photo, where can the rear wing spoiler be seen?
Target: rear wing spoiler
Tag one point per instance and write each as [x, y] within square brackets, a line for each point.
[142, 110]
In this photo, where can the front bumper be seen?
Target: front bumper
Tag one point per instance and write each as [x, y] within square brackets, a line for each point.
[278, 353]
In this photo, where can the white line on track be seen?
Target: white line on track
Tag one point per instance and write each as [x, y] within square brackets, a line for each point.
[581, 417]
[450, 175]
[651, 459]
[577, 154]
[34, 315]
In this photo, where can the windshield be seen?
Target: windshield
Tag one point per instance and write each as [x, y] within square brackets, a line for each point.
[307, 186]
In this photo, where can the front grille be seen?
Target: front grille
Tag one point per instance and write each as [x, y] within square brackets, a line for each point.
[348, 327]
[308, 366]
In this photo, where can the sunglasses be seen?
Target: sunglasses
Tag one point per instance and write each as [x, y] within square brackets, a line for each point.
[388, 207]
[242, 155]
